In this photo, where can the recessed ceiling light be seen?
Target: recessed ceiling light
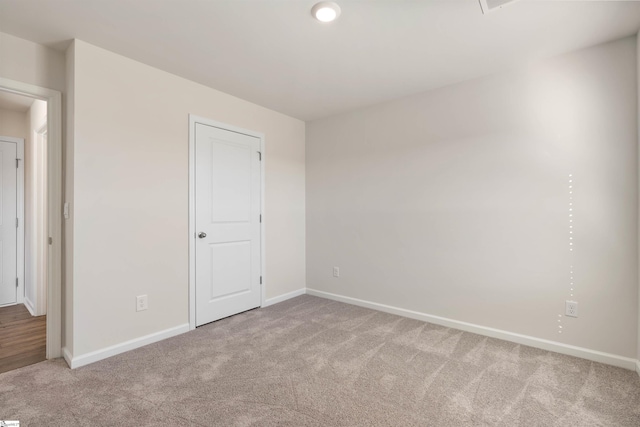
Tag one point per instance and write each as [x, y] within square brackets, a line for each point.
[325, 11]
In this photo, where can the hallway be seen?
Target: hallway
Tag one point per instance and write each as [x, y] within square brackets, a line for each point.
[22, 338]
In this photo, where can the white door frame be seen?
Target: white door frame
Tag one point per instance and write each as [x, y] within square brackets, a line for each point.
[20, 299]
[54, 206]
[193, 119]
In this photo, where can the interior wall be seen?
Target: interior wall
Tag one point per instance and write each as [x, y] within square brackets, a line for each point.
[35, 166]
[130, 194]
[14, 124]
[638, 103]
[456, 202]
[67, 224]
[29, 62]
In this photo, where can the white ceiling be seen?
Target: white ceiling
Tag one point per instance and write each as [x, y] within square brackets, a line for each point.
[11, 101]
[273, 53]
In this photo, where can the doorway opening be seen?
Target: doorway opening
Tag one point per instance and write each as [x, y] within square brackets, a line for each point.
[31, 309]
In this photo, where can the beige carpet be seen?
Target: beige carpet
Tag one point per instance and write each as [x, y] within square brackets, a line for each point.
[314, 362]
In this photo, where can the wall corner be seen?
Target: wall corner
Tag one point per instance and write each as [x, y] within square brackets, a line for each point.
[638, 172]
[67, 185]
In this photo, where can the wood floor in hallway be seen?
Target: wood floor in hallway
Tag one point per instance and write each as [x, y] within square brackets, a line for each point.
[22, 338]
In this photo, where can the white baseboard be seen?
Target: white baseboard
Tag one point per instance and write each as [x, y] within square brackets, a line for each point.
[27, 303]
[638, 367]
[94, 356]
[284, 297]
[86, 359]
[585, 353]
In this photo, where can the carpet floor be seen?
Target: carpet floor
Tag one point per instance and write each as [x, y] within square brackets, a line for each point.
[313, 362]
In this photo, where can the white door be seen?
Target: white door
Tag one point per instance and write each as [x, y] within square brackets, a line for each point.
[8, 224]
[228, 206]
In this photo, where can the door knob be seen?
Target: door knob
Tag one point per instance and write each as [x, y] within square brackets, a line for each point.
[202, 234]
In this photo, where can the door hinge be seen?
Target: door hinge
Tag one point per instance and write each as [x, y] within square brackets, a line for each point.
[259, 155]
[17, 222]
[51, 240]
[16, 282]
[261, 218]
[17, 163]
[261, 280]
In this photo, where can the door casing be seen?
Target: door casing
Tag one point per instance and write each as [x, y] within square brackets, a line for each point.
[193, 119]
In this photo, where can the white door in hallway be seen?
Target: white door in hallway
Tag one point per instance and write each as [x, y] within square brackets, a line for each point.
[8, 224]
[227, 223]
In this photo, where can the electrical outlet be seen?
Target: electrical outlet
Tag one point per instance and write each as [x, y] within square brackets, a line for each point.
[571, 308]
[336, 272]
[142, 303]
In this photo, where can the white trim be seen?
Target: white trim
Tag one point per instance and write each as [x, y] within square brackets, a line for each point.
[95, 356]
[284, 297]
[638, 367]
[192, 222]
[30, 306]
[54, 208]
[263, 224]
[20, 213]
[193, 119]
[585, 353]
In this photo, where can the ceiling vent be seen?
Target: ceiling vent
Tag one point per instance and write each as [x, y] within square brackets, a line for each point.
[491, 5]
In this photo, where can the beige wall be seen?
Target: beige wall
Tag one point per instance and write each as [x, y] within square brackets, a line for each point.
[14, 124]
[29, 62]
[455, 202]
[129, 159]
[638, 74]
